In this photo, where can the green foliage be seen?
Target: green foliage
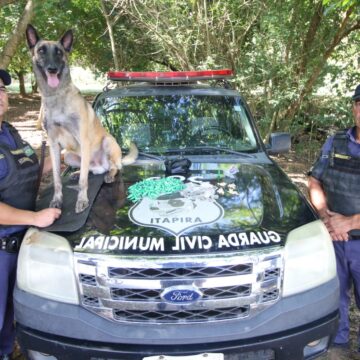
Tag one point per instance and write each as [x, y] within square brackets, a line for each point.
[340, 4]
[284, 52]
[316, 121]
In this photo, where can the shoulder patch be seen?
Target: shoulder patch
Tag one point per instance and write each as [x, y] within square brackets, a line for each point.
[28, 150]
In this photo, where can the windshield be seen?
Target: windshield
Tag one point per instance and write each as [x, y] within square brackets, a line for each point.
[163, 123]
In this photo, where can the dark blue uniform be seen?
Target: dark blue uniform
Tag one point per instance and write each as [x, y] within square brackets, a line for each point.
[338, 170]
[18, 177]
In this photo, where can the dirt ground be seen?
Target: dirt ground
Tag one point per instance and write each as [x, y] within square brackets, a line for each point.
[23, 114]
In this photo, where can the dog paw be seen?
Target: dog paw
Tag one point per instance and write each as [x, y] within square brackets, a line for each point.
[55, 203]
[81, 205]
[109, 178]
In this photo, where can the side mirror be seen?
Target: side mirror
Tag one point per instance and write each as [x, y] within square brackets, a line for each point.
[279, 143]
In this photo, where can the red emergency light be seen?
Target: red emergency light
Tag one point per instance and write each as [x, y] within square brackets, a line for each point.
[170, 76]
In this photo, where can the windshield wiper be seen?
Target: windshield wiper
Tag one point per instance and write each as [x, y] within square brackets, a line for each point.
[210, 148]
[151, 156]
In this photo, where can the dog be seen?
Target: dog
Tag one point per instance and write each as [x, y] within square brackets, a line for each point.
[70, 121]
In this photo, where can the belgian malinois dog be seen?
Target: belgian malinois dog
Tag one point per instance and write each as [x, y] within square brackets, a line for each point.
[70, 121]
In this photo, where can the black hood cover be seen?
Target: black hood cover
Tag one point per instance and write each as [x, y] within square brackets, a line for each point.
[224, 207]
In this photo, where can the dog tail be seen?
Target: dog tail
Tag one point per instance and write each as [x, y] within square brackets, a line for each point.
[131, 156]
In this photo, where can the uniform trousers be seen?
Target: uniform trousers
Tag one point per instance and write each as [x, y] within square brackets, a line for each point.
[348, 270]
[8, 263]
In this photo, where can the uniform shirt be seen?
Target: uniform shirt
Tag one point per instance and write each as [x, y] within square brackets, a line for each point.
[353, 147]
[5, 138]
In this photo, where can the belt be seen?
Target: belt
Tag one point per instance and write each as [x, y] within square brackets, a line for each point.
[11, 243]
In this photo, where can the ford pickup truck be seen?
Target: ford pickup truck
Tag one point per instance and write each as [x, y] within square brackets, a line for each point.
[201, 249]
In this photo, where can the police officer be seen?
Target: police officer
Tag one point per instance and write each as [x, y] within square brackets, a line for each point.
[334, 187]
[18, 178]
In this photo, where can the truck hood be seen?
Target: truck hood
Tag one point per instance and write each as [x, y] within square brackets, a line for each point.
[224, 207]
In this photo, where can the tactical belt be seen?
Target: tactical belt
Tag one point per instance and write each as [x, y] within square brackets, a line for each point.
[11, 243]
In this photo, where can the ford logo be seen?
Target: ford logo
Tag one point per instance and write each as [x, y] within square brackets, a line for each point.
[181, 294]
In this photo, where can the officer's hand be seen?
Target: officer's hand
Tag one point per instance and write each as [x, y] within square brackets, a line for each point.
[323, 214]
[338, 225]
[46, 217]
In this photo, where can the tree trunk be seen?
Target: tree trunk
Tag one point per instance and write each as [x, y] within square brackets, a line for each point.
[20, 75]
[175, 50]
[271, 128]
[111, 34]
[310, 36]
[34, 86]
[17, 36]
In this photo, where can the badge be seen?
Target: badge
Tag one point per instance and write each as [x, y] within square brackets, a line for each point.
[28, 150]
[179, 211]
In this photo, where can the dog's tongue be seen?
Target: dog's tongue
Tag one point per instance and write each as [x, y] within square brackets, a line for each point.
[52, 80]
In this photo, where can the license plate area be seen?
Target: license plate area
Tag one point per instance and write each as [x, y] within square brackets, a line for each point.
[206, 356]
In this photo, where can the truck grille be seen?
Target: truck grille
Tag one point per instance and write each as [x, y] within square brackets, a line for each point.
[184, 315]
[130, 289]
[171, 273]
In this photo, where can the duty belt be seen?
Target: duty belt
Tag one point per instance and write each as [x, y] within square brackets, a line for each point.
[11, 243]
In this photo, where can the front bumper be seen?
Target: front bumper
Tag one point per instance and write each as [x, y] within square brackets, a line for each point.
[280, 346]
[280, 332]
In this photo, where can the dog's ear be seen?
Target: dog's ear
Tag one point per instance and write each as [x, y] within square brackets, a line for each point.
[67, 40]
[32, 36]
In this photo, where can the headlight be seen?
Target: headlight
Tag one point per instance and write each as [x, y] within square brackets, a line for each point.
[45, 267]
[309, 258]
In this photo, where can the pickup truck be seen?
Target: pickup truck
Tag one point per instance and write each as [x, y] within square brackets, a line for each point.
[201, 249]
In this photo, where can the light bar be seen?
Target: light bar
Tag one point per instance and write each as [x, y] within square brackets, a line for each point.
[171, 76]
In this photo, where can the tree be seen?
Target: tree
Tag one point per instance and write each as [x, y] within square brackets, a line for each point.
[289, 57]
[193, 34]
[346, 24]
[17, 34]
[280, 48]
[52, 19]
[282, 51]
[110, 24]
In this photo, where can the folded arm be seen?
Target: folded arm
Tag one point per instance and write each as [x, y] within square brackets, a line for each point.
[337, 224]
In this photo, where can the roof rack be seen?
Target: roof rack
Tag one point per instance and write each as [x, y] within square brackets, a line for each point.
[170, 76]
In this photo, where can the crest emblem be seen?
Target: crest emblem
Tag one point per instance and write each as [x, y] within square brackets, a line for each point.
[179, 211]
